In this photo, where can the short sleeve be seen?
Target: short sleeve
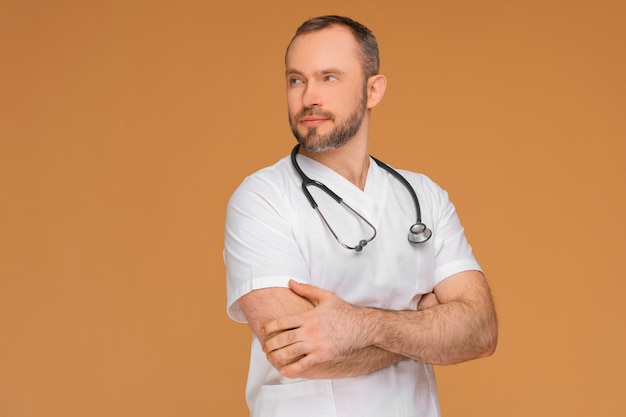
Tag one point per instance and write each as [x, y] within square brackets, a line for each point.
[259, 246]
[453, 253]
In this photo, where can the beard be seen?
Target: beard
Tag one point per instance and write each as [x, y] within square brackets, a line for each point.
[313, 141]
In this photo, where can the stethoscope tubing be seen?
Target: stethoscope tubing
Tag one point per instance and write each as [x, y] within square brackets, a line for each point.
[421, 234]
[306, 182]
[399, 177]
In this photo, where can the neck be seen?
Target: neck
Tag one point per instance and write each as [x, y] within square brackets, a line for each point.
[351, 161]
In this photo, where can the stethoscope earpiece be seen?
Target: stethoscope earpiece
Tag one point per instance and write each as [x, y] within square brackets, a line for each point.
[419, 233]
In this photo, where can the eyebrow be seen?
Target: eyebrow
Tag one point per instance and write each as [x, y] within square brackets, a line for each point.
[293, 71]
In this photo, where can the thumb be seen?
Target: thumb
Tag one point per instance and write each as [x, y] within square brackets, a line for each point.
[312, 293]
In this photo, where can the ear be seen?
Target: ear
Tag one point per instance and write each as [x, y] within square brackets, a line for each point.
[376, 86]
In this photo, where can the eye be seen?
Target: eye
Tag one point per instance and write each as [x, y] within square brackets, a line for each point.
[330, 78]
[294, 81]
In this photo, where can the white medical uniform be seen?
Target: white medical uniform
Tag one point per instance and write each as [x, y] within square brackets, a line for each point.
[273, 235]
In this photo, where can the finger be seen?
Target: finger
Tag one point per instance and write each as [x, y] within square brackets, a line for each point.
[281, 340]
[427, 301]
[281, 324]
[312, 293]
[282, 364]
[299, 367]
[287, 355]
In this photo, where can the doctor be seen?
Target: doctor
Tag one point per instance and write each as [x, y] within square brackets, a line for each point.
[340, 332]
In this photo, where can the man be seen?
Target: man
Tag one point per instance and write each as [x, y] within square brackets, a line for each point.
[343, 328]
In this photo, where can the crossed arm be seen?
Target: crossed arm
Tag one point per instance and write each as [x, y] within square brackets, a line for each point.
[309, 332]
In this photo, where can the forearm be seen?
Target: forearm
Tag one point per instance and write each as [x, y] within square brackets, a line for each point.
[362, 362]
[448, 333]
[367, 360]
[329, 338]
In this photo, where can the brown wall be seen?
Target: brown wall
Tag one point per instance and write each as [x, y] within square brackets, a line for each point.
[125, 126]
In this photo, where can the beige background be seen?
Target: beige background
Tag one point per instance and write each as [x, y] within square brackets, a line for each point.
[125, 126]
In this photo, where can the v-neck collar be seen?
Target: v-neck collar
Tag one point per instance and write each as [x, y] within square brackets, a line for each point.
[320, 172]
[366, 201]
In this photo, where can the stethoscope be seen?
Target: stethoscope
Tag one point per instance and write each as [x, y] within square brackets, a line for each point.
[418, 233]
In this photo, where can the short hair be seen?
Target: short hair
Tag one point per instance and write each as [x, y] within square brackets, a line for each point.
[368, 47]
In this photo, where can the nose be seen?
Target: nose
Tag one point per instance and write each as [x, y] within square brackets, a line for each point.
[311, 97]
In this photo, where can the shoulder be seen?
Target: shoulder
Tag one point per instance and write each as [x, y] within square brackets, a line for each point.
[424, 186]
[267, 182]
[423, 183]
[433, 200]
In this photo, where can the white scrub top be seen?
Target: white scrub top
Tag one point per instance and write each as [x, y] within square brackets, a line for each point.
[273, 235]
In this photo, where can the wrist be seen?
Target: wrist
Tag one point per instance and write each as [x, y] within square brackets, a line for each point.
[368, 326]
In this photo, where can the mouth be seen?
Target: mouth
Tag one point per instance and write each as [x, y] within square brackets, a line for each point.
[314, 117]
[312, 121]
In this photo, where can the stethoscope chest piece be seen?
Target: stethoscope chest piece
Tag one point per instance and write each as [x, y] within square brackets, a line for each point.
[419, 233]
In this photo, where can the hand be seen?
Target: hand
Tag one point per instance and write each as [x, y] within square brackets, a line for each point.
[328, 332]
[427, 301]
